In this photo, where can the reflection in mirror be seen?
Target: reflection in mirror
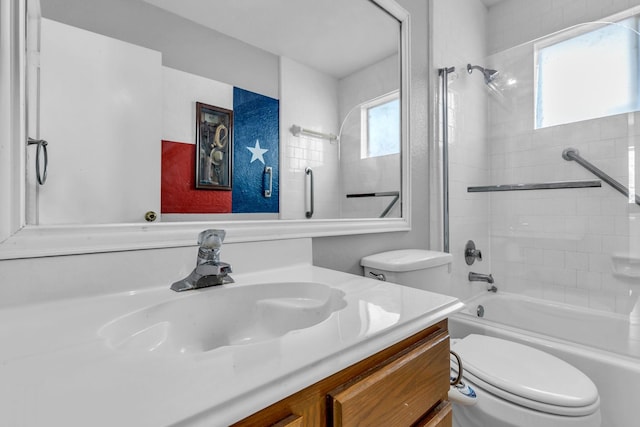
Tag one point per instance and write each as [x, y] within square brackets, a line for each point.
[113, 87]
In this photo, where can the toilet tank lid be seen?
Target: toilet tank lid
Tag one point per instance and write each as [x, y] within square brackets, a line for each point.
[406, 260]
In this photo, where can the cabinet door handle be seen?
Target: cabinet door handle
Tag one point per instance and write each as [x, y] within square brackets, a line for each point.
[41, 175]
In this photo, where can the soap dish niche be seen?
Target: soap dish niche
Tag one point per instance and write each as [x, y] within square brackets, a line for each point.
[626, 265]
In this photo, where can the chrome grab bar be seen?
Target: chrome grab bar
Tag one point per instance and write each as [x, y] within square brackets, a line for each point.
[268, 170]
[573, 154]
[42, 147]
[309, 176]
[535, 186]
[392, 203]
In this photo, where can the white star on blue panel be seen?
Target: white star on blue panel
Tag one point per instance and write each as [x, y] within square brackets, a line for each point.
[257, 152]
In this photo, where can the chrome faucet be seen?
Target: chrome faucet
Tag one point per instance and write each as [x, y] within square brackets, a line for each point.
[477, 277]
[209, 271]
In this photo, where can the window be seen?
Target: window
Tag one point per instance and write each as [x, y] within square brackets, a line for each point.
[591, 75]
[380, 121]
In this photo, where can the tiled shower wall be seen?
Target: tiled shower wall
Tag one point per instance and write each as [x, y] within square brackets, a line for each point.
[310, 100]
[459, 28]
[557, 244]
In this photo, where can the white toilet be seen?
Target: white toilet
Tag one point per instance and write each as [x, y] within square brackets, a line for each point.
[506, 384]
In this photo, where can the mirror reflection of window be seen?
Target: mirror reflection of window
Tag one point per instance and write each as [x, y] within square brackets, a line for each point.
[381, 126]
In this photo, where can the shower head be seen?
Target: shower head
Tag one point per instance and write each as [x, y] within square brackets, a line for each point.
[489, 74]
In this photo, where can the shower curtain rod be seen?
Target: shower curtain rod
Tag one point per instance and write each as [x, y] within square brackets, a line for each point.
[573, 154]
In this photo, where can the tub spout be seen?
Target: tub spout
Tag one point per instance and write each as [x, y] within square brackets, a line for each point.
[477, 277]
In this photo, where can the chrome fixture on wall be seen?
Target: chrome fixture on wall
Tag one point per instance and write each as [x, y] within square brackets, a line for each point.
[392, 203]
[444, 77]
[488, 278]
[572, 154]
[557, 185]
[471, 253]
[299, 130]
[489, 74]
[308, 173]
[41, 174]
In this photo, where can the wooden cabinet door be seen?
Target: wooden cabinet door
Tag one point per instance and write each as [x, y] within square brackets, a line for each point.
[397, 393]
[290, 421]
[310, 404]
[441, 416]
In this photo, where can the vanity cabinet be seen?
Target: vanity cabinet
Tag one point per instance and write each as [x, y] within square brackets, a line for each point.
[403, 385]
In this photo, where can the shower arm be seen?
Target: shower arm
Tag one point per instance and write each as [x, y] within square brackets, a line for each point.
[573, 154]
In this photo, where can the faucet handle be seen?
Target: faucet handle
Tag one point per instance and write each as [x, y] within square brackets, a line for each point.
[211, 239]
[471, 253]
[210, 242]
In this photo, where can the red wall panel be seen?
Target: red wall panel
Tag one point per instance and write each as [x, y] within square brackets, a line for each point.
[178, 187]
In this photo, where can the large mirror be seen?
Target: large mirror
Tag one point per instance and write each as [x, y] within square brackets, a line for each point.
[303, 117]
[293, 114]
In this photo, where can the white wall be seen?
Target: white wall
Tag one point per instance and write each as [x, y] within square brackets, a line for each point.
[100, 110]
[211, 54]
[557, 244]
[459, 28]
[309, 99]
[180, 91]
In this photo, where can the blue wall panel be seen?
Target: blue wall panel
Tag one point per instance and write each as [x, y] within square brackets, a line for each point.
[255, 145]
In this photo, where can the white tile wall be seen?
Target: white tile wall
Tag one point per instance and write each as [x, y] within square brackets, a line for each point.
[459, 27]
[308, 99]
[556, 244]
[553, 244]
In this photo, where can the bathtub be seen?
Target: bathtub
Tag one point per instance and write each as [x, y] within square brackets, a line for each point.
[604, 346]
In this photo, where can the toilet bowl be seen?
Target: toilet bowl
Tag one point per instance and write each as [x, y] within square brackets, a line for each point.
[505, 384]
[519, 386]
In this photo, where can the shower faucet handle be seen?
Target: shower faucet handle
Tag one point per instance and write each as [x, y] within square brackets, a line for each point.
[471, 253]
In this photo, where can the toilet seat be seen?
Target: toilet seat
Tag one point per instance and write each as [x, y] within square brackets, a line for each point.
[526, 376]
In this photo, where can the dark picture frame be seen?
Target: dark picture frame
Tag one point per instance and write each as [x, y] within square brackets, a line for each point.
[214, 147]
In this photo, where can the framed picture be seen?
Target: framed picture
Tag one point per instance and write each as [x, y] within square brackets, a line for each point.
[214, 147]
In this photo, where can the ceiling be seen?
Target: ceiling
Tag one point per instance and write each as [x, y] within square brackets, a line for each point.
[332, 36]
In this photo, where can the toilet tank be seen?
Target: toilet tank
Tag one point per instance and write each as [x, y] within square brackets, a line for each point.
[418, 268]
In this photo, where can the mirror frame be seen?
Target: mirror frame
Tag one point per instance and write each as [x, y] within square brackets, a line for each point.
[21, 240]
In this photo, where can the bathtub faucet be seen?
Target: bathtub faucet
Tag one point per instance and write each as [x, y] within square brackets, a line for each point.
[477, 277]
[209, 271]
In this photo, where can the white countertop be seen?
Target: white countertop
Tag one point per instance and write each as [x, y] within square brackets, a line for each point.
[56, 370]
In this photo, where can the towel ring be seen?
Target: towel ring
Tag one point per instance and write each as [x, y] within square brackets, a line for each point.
[41, 176]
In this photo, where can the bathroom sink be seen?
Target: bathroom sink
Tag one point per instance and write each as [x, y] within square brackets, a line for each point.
[223, 316]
